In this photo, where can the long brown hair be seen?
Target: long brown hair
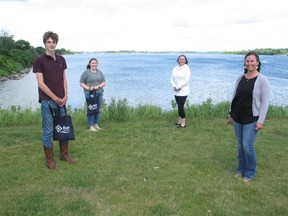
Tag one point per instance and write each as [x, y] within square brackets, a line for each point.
[92, 59]
[186, 60]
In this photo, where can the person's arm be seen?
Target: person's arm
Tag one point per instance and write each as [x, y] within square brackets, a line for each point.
[45, 89]
[101, 85]
[172, 81]
[84, 86]
[83, 80]
[64, 100]
[265, 98]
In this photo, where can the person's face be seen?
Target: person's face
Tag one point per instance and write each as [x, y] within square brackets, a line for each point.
[50, 45]
[93, 64]
[181, 60]
[251, 63]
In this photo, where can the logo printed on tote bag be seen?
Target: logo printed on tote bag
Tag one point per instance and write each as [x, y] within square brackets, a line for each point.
[93, 106]
[64, 129]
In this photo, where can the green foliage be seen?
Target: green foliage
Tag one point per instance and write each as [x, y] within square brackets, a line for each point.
[174, 104]
[19, 116]
[8, 65]
[22, 45]
[7, 42]
[24, 57]
[264, 51]
[148, 112]
[279, 112]
[120, 111]
[39, 50]
[15, 56]
[63, 51]
[208, 110]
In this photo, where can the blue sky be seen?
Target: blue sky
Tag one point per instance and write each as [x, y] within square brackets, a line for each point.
[149, 25]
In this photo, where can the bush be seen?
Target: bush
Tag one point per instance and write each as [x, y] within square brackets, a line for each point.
[120, 111]
[8, 65]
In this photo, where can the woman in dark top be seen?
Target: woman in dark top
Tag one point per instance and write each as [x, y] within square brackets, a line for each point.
[248, 111]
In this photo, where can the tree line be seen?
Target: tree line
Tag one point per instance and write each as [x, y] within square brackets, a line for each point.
[15, 56]
[264, 51]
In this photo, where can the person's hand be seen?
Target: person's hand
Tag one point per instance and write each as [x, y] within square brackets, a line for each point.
[258, 126]
[61, 102]
[230, 120]
[58, 100]
[175, 89]
[65, 99]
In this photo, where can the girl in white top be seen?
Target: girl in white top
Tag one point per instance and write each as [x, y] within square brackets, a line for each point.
[180, 79]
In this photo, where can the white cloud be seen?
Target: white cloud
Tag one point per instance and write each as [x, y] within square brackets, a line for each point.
[200, 25]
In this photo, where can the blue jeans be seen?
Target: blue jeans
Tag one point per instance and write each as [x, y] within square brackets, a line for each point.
[94, 119]
[246, 135]
[47, 121]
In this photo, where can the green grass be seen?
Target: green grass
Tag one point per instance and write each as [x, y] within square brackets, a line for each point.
[142, 165]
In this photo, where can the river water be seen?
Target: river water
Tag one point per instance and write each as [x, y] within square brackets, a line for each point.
[145, 79]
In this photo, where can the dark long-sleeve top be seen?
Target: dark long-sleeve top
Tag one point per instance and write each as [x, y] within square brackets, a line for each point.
[260, 97]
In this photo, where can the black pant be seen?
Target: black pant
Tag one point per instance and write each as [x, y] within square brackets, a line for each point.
[180, 100]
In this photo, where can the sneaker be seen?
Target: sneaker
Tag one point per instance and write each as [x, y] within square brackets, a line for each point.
[96, 126]
[93, 129]
[239, 175]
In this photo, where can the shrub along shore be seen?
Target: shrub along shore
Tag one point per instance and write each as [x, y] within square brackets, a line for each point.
[120, 111]
[141, 164]
[15, 75]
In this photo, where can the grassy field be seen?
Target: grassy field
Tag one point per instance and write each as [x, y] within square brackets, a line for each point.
[142, 166]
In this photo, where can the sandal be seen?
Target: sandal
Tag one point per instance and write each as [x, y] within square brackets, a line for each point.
[247, 180]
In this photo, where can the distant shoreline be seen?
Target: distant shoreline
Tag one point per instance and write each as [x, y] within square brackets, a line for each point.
[15, 75]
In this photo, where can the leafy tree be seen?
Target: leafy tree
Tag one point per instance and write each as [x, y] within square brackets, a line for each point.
[22, 45]
[6, 42]
[24, 57]
[7, 66]
[39, 50]
[15, 56]
[263, 51]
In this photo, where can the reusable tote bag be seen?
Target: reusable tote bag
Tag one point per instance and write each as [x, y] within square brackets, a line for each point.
[63, 129]
[92, 103]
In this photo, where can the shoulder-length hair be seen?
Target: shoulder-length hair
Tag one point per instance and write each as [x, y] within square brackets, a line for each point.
[257, 59]
[92, 59]
[186, 60]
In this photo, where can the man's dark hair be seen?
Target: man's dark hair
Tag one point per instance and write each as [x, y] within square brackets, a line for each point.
[52, 35]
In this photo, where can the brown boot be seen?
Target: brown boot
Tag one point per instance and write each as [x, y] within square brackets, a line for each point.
[49, 158]
[64, 155]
